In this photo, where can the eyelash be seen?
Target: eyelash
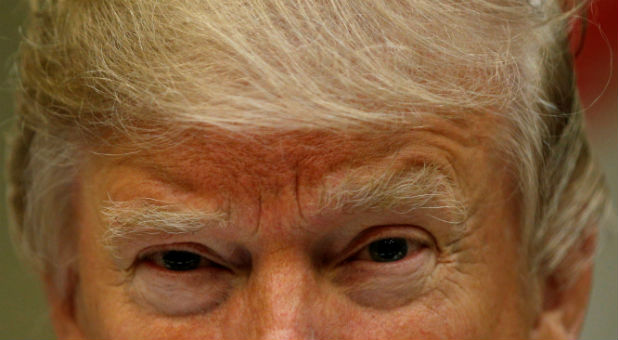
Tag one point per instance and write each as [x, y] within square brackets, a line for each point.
[154, 257]
[412, 244]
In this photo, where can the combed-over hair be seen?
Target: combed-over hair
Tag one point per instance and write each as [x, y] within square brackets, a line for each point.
[91, 72]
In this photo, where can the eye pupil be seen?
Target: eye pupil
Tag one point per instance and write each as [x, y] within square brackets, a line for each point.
[180, 260]
[388, 249]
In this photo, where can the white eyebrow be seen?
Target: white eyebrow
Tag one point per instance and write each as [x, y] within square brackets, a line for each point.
[400, 191]
[406, 190]
[150, 217]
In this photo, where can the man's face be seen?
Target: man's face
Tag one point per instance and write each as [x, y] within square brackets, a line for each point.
[408, 234]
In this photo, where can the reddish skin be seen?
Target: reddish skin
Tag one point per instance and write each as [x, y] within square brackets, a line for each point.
[475, 287]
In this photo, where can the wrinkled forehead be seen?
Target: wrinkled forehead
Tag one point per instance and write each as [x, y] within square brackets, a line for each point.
[215, 160]
[266, 160]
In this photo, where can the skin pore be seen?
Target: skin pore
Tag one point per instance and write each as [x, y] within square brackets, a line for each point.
[283, 236]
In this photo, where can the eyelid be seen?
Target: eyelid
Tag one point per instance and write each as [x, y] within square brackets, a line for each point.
[157, 259]
[363, 254]
[177, 293]
[408, 232]
[206, 253]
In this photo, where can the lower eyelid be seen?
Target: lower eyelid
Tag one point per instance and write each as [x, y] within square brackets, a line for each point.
[417, 263]
[171, 293]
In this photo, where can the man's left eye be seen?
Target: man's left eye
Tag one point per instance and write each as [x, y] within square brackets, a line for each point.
[389, 249]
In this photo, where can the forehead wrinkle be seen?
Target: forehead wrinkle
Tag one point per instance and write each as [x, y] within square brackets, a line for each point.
[228, 168]
[249, 164]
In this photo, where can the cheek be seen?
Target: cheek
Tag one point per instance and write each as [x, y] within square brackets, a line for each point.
[423, 319]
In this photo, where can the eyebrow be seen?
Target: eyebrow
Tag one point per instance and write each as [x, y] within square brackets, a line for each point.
[127, 220]
[404, 190]
[386, 189]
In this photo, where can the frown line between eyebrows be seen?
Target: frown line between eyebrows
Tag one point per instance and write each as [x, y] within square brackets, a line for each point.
[396, 190]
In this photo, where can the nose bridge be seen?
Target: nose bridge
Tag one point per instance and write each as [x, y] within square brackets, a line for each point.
[280, 291]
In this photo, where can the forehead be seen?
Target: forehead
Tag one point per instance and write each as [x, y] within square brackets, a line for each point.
[266, 160]
[213, 159]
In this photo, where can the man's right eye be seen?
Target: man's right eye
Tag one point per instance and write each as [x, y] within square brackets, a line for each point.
[178, 260]
[181, 279]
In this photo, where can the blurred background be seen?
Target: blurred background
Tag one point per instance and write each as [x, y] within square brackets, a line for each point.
[23, 313]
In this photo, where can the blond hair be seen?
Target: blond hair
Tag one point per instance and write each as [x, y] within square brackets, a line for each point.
[91, 71]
